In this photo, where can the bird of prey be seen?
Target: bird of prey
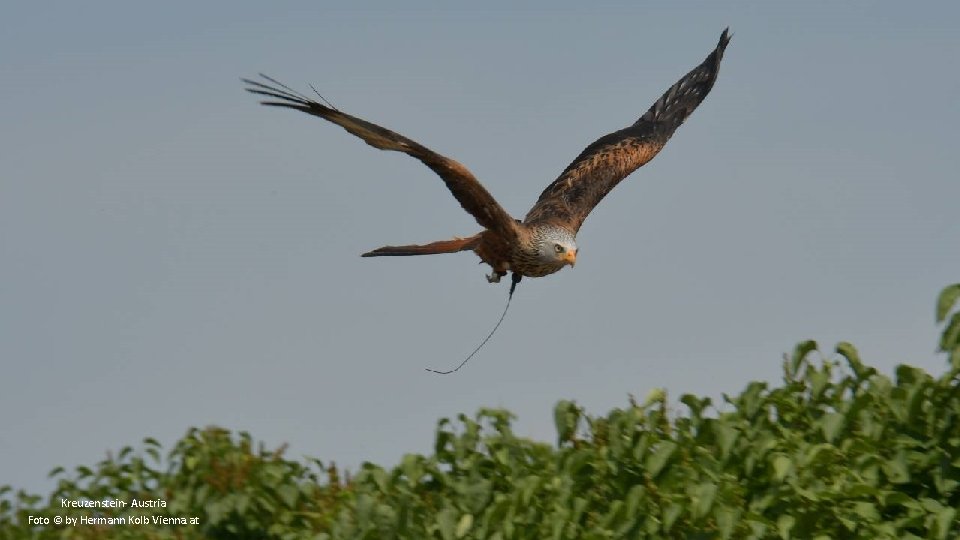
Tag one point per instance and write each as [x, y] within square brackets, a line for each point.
[545, 241]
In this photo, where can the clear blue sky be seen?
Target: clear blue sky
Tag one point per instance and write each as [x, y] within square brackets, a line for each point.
[175, 255]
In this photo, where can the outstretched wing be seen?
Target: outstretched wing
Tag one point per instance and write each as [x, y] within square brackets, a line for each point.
[602, 165]
[473, 197]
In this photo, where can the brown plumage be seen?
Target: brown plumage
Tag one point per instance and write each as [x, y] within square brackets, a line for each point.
[545, 241]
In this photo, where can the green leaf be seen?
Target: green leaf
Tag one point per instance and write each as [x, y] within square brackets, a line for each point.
[703, 497]
[781, 466]
[849, 352]
[695, 403]
[931, 505]
[785, 524]
[897, 470]
[944, 520]
[815, 453]
[215, 511]
[799, 353]
[670, 515]
[412, 467]
[660, 457]
[831, 424]
[907, 375]
[895, 498]
[288, 493]
[447, 523]
[379, 477]
[463, 526]
[950, 339]
[948, 297]
[726, 520]
[726, 436]
[242, 503]
[634, 496]
[867, 511]
[566, 418]
[474, 495]
[804, 348]
[860, 489]
[657, 395]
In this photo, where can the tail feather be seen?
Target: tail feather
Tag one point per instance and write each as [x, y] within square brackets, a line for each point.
[433, 248]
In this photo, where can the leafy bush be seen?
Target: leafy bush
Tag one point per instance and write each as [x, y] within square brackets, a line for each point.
[235, 492]
[838, 450]
[950, 342]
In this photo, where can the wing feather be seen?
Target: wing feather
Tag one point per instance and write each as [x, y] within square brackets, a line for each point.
[468, 191]
[601, 166]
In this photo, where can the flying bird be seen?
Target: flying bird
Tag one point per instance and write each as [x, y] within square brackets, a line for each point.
[545, 241]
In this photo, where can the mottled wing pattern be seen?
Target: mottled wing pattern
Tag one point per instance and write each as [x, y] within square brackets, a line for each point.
[602, 165]
[473, 197]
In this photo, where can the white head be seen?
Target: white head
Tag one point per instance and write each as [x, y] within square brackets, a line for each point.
[556, 246]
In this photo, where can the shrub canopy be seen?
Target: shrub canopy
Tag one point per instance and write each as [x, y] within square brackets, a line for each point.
[838, 450]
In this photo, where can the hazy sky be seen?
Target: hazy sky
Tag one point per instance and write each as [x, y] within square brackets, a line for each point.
[175, 255]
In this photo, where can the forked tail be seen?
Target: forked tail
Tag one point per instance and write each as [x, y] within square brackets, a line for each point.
[433, 248]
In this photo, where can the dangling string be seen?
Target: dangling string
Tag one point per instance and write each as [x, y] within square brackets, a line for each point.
[513, 285]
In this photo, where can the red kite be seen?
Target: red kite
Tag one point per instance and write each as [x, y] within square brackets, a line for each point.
[545, 241]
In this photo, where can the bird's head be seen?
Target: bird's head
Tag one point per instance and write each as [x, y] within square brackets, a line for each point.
[556, 246]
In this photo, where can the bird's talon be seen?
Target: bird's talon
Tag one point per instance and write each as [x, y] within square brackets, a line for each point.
[494, 277]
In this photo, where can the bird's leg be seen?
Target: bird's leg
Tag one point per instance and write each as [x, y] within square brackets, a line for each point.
[495, 276]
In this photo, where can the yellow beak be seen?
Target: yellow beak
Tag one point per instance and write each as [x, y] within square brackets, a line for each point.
[570, 257]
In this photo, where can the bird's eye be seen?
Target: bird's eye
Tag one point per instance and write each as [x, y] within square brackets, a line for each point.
[558, 248]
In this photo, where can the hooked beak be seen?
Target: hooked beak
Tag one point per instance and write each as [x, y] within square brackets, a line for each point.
[570, 257]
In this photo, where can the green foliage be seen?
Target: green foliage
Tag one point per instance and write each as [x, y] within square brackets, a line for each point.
[838, 450]
[950, 342]
[233, 490]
